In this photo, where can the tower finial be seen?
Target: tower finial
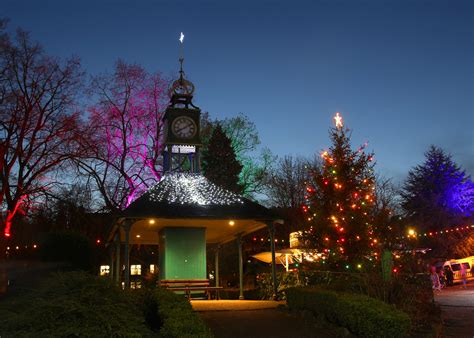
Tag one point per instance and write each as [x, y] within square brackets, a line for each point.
[181, 71]
[181, 56]
[181, 91]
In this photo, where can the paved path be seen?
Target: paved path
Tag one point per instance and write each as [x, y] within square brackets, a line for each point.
[255, 319]
[457, 306]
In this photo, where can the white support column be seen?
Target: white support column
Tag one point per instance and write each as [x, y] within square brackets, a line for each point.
[271, 228]
[118, 267]
[126, 227]
[217, 264]
[241, 268]
[111, 262]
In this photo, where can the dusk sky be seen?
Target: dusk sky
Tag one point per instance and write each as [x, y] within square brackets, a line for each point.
[400, 72]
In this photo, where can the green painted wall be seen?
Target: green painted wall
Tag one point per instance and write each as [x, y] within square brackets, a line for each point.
[182, 253]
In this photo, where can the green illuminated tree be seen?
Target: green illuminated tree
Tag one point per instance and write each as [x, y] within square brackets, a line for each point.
[245, 141]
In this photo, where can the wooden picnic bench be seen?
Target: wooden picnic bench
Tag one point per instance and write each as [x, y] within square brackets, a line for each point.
[188, 286]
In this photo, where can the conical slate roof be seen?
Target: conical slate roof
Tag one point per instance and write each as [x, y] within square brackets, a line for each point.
[185, 195]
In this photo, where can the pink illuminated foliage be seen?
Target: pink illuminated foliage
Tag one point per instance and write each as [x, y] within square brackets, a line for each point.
[126, 129]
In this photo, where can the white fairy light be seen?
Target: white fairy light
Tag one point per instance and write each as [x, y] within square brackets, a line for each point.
[187, 188]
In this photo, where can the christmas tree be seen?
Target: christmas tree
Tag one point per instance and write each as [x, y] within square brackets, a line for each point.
[220, 165]
[339, 202]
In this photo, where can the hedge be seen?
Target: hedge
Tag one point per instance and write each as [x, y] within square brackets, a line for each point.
[78, 304]
[70, 305]
[362, 315]
[173, 311]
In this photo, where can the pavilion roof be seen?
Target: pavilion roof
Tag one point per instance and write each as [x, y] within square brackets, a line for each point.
[185, 195]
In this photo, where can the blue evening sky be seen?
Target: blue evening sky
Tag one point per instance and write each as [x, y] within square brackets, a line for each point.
[400, 72]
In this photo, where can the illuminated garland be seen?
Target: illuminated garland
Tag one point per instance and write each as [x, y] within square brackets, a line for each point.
[19, 247]
[446, 231]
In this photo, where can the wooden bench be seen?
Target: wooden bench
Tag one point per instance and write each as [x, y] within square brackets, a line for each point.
[189, 285]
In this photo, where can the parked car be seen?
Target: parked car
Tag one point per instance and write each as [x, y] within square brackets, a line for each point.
[455, 266]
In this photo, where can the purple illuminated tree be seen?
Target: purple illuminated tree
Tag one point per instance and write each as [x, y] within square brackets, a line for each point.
[126, 123]
[438, 193]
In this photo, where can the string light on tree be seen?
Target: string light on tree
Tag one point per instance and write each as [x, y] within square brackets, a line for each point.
[339, 196]
[189, 188]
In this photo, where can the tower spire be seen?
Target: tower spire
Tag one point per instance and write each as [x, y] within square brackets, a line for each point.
[181, 56]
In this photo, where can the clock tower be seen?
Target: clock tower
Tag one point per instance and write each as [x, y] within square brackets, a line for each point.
[182, 128]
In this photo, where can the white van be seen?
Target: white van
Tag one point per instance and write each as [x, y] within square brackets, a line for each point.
[455, 265]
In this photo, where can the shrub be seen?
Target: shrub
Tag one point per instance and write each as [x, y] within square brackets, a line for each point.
[172, 311]
[410, 293]
[69, 247]
[362, 315]
[285, 280]
[79, 304]
[346, 282]
[72, 304]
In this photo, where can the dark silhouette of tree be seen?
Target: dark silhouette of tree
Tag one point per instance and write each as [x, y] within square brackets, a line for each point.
[285, 187]
[386, 213]
[340, 202]
[464, 247]
[39, 129]
[220, 164]
[245, 141]
[438, 193]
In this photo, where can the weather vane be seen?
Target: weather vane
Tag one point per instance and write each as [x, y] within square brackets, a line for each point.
[181, 40]
[338, 120]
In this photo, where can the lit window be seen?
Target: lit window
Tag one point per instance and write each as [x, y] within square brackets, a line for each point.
[135, 285]
[152, 268]
[104, 270]
[136, 270]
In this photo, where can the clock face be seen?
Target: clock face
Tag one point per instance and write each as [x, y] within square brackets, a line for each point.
[184, 127]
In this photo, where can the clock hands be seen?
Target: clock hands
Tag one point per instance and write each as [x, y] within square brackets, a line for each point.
[186, 127]
[183, 129]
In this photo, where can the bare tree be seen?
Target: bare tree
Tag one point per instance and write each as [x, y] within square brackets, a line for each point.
[126, 124]
[286, 186]
[39, 131]
[386, 211]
